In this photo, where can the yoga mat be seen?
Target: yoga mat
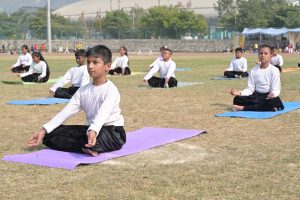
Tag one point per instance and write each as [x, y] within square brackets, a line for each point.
[290, 69]
[132, 74]
[43, 101]
[186, 84]
[54, 80]
[288, 106]
[137, 141]
[225, 78]
[179, 84]
[183, 69]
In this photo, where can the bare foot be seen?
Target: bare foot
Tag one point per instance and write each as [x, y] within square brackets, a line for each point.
[236, 108]
[90, 152]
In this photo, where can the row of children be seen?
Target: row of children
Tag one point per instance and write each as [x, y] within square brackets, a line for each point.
[100, 101]
[238, 65]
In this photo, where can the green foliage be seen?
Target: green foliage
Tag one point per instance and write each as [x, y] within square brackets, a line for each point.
[238, 14]
[177, 22]
[115, 21]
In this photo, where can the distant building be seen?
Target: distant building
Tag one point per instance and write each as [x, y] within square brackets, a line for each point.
[92, 8]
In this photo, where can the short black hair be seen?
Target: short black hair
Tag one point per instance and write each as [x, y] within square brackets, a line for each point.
[80, 52]
[239, 49]
[274, 48]
[25, 47]
[162, 48]
[169, 50]
[100, 51]
[265, 46]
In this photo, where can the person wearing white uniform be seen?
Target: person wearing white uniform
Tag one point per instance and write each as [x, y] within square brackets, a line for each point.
[276, 59]
[24, 61]
[78, 76]
[39, 70]
[160, 58]
[166, 68]
[100, 100]
[238, 66]
[120, 65]
[262, 93]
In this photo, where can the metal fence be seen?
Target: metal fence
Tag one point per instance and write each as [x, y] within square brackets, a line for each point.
[79, 34]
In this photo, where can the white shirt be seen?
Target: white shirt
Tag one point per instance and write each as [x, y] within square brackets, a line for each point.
[277, 60]
[40, 67]
[121, 61]
[166, 69]
[239, 65]
[101, 105]
[77, 75]
[24, 60]
[157, 60]
[263, 81]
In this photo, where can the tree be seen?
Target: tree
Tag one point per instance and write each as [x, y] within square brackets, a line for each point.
[116, 21]
[256, 13]
[173, 22]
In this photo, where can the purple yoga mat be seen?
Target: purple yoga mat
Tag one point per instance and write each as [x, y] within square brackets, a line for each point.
[137, 141]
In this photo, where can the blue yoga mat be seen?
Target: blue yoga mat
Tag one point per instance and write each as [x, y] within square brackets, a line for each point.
[43, 101]
[288, 106]
[225, 78]
[183, 69]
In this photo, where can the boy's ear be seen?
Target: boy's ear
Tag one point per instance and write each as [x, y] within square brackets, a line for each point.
[107, 67]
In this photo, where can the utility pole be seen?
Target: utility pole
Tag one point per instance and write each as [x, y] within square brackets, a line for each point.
[119, 2]
[158, 2]
[110, 3]
[49, 28]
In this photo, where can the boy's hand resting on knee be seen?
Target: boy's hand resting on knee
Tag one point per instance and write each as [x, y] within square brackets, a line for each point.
[92, 136]
[235, 92]
[36, 138]
[271, 95]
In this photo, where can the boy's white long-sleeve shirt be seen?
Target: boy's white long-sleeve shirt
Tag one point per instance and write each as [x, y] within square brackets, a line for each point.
[24, 60]
[166, 69]
[160, 58]
[239, 65]
[100, 104]
[121, 61]
[263, 81]
[40, 67]
[277, 60]
[78, 76]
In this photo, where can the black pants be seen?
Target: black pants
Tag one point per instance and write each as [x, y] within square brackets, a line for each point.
[72, 138]
[279, 67]
[34, 78]
[231, 74]
[118, 70]
[298, 64]
[258, 102]
[160, 82]
[65, 93]
[20, 69]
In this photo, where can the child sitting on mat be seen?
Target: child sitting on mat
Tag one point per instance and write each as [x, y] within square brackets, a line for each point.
[77, 75]
[238, 66]
[160, 58]
[166, 68]
[262, 93]
[24, 61]
[39, 70]
[276, 59]
[100, 100]
[120, 65]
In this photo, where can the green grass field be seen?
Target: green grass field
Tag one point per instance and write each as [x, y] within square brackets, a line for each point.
[237, 159]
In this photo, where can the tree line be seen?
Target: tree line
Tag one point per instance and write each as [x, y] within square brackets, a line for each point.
[239, 14]
[174, 22]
